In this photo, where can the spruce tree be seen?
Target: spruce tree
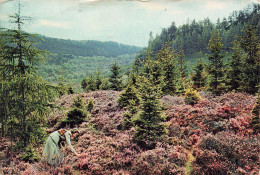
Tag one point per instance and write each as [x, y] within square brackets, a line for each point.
[251, 63]
[27, 96]
[148, 123]
[84, 83]
[167, 61]
[199, 78]
[182, 80]
[98, 79]
[91, 83]
[115, 77]
[234, 73]
[216, 66]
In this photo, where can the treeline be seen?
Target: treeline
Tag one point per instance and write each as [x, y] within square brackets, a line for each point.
[85, 48]
[73, 68]
[194, 36]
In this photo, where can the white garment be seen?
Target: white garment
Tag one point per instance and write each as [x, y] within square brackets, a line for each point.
[52, 153]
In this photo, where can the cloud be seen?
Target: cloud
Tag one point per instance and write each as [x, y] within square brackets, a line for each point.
[214, 5]
[153, 6]
[49, 23]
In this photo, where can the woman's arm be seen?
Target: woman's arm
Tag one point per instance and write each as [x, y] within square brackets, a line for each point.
[68, 137]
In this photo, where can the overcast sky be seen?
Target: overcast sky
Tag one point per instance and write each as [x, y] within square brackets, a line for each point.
[124, 21]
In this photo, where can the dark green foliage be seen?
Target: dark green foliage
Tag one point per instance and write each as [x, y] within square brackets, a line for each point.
[168, 69]
[30, 155]
[86, 48]
[70, 90]
[77, 114]
[182, 78]
[129, 96]
[90, 105]
[192, 96]
[235, 67]
[249, 42]
[127, 122]
[84, 83]
[216, 66]
[98, 79]
[199, 77]
[89, 84]
[25, 96]
[63, 89]
[148, 124]
[193, 36]
[115, 78]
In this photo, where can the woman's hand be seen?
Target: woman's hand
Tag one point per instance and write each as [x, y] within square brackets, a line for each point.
[78, 155]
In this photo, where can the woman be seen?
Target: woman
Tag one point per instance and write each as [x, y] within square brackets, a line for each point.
[52, 153]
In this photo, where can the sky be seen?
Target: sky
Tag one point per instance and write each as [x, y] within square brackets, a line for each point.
[124, 21]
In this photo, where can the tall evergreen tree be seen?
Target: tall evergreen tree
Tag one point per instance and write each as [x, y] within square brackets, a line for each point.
[91, 83]
[27, 96]
[199, 78]
[168, 63]
[98, 79]
[251, 64]
[182, 77]
[234, 73]
[216, 66]
[148, 124]
[115, 78]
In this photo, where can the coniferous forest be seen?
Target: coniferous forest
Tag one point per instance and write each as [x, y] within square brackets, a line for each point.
[188, 103]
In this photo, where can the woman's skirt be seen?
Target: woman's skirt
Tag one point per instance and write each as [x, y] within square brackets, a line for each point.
[52, 153]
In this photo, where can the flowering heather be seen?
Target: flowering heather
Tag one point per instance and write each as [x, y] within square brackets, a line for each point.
[216, 132]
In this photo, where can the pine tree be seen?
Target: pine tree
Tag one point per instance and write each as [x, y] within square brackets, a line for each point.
[199, 78]
[91, 83]
[84, 83]
[182, 80]
[234, 73]
[98, 79]
[115, 78]
[216, 66]
[129, 95]
[251, 63]
[148, 123]
[27, 96]
[167, 62]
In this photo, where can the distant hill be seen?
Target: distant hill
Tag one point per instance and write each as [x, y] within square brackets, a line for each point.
[194, 36]
[72, 60]
[87, 48]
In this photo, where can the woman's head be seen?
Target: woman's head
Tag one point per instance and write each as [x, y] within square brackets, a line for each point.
[74, 132]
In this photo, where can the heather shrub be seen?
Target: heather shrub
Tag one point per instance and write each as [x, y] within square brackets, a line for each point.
[226, 152]
[255, 116]
[161, 160]
[191, 96]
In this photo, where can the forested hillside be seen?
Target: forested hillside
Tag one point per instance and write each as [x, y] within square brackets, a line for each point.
[155, 118]
[85, 48]
[194, 36]
[71, 60]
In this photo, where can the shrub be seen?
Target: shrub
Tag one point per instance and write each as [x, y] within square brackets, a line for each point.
[192, 97]
[90, 105]
[30, 155]
[255, 116]
[77, 115]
